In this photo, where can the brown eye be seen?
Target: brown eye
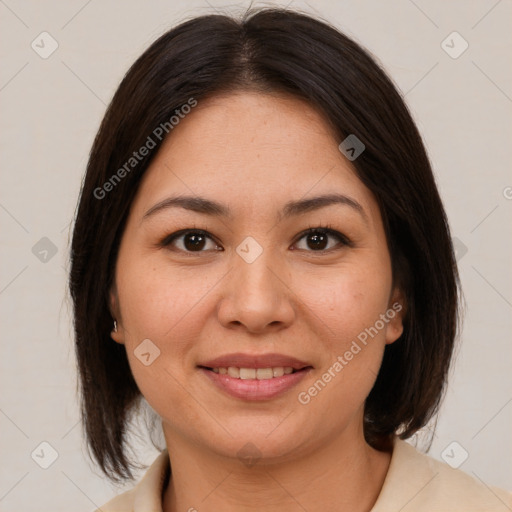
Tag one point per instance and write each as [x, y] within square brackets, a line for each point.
[190, 241]
[317, 239]
[194, 241]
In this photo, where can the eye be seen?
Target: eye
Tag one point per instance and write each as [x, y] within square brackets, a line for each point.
[196, 240]
[317, 239]
[190, 240]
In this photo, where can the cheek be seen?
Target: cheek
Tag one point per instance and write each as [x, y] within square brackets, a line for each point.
[169, 309]
[347, 302]
[346, 310]
[158, 301]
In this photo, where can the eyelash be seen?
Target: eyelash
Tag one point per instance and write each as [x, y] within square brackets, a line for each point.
[324, 229]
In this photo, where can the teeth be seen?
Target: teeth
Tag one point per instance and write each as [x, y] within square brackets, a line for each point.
[278, 372]
[234, 372]
[247, 373]
[264, 373]
[254, 373]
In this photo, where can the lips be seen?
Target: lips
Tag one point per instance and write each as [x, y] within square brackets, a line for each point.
[248, 377]
[239, 360]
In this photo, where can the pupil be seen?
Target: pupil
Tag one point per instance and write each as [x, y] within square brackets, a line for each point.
[194, 241]
[319, 241]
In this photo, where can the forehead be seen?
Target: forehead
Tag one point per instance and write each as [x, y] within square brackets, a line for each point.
[253, 150]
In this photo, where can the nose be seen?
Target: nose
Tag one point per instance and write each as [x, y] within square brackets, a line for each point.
[257, 296]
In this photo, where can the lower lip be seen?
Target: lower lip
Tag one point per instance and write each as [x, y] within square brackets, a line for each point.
[254, 389]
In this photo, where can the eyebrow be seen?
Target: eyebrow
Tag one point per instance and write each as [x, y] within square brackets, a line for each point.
[213, 208]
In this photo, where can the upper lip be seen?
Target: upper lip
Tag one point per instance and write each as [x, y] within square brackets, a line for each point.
[240, 360]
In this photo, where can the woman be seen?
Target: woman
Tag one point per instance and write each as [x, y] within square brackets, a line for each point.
[260, 235]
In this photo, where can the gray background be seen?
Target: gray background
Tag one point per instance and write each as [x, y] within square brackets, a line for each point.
[51, 108]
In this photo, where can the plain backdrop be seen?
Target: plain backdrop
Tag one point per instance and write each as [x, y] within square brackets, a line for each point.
[51, 106]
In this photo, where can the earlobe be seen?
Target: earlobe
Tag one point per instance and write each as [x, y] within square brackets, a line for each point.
[394, 331]
[396, 314]
[116, 332]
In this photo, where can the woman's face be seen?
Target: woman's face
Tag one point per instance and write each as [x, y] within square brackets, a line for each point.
[251, 289]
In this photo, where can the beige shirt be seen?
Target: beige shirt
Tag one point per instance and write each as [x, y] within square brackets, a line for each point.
[414, 483]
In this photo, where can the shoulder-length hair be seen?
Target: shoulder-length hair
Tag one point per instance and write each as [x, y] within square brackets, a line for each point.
[268, 50]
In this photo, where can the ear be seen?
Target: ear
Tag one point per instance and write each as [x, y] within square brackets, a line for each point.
[116, 335]
[396, 313]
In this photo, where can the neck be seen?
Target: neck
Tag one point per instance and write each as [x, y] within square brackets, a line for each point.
[345, 474]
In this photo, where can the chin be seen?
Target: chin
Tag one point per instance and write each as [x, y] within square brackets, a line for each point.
[272, 440]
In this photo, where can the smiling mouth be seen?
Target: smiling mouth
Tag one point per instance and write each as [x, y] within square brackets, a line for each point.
[255, 373]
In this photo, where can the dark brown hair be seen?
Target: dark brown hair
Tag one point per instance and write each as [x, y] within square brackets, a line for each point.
[268, 50]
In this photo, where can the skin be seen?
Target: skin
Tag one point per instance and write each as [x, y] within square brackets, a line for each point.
[254, 152]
